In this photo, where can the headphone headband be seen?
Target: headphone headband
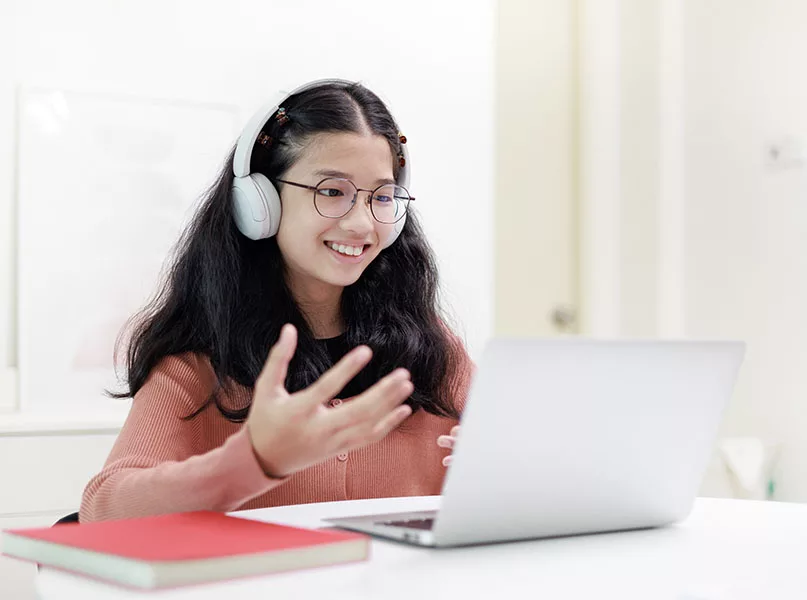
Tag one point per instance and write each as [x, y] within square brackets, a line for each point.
[249, 135]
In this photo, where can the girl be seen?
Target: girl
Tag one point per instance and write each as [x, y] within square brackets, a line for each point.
[217, 425]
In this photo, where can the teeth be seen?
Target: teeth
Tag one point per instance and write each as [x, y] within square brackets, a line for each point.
[348, 250]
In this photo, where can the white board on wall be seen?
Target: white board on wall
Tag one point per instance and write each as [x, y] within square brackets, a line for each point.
[105, 186]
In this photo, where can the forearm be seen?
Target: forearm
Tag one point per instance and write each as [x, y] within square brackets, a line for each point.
[222, 479]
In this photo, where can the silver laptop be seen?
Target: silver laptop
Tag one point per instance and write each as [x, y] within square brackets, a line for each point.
[572, 436]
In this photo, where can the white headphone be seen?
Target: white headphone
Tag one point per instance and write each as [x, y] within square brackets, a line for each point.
[256, 202]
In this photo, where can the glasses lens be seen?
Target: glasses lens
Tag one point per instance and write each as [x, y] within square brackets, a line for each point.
[390, 203]
[334, 197]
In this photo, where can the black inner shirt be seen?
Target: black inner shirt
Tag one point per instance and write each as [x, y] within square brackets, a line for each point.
[337, 347]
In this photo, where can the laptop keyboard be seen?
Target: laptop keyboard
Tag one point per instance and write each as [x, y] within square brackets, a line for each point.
[425, 524]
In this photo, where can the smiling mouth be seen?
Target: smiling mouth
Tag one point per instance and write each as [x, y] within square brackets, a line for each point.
[347, 250]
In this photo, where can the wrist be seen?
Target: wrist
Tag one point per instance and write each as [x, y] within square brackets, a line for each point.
[272, 471]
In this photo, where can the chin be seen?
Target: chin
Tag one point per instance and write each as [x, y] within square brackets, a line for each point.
[343, 279]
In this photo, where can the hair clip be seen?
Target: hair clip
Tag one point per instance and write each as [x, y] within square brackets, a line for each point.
[264, 140]
[282, 117]
[401, 159]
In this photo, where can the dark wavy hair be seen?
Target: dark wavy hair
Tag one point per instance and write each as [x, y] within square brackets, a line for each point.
[225, 296]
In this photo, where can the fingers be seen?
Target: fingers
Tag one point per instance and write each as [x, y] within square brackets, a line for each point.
[337, 377]
[274, 370]
[448, 441]
[373, 414]
[376, 401]
[366, 432]
[390, 422]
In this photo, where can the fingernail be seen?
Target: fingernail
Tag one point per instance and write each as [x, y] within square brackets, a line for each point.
[447, 461]
[443, 442]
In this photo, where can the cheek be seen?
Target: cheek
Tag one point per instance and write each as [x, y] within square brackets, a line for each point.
[298, 234]
[383, 232]
[300, 223]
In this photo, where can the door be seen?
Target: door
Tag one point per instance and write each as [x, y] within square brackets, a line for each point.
[535, 210]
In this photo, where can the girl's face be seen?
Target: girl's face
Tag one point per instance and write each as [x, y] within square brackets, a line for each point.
[306, 238]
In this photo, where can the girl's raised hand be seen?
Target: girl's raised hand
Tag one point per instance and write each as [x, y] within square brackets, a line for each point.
[290, 432]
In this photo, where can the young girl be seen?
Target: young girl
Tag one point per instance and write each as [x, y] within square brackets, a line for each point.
[363, 375]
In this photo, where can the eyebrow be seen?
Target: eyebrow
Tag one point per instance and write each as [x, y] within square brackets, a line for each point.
[342, 175]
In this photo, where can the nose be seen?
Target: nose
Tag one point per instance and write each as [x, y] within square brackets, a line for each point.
[360, 218]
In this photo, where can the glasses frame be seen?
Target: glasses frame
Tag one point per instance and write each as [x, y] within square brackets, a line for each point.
[372, 193]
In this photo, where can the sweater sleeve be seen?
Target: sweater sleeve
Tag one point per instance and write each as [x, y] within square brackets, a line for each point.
[161, 463]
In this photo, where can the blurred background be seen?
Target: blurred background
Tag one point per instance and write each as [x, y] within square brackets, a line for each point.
[626, 168]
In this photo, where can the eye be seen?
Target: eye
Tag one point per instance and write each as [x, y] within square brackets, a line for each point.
[384, 199]
[330, 192]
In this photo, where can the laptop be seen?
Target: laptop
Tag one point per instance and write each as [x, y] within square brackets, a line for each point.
[572, 436]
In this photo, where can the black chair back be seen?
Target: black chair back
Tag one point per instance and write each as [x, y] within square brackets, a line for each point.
[71, 518]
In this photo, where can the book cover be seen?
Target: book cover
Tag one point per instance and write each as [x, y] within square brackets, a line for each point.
[182, 548]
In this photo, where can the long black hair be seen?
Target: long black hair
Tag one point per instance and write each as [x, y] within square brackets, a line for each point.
[225, 296]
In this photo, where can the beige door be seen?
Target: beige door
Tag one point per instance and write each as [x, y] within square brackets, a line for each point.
[535, 209]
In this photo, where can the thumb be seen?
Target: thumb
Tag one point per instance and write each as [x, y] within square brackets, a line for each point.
[274, 370]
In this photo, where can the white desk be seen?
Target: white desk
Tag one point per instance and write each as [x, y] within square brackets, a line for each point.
[726, 549]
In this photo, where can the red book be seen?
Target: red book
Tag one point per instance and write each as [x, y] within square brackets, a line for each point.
[182, 548]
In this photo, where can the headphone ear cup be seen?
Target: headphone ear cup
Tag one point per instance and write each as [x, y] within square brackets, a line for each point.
[397, 228]
[256, 206]
[272, 201]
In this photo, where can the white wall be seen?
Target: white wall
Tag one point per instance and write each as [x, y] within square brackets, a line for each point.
[239, 54]
[688, 227]
[7, 190]
[746, 214]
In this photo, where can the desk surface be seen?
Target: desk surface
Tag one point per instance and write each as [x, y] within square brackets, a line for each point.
[726, 549]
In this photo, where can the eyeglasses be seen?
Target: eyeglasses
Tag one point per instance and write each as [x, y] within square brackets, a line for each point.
[335, 197]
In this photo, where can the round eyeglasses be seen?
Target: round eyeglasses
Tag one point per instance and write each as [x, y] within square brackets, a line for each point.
[334, 198]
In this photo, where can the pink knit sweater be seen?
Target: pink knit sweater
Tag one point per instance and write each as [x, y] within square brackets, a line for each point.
[161, 463]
